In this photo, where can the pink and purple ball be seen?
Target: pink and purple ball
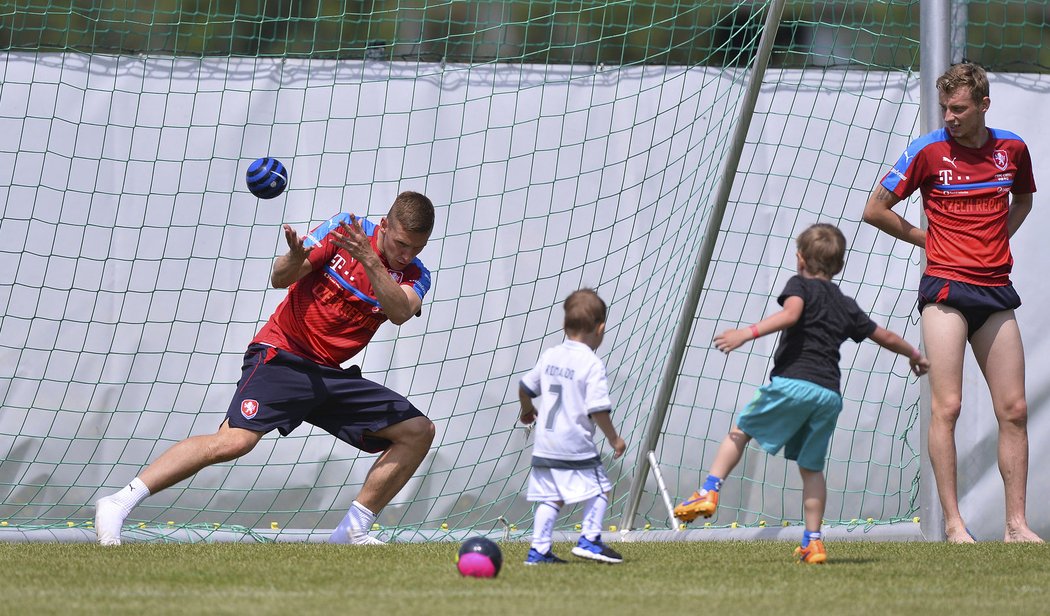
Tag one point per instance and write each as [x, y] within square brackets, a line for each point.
[479, 557]
[476, 565]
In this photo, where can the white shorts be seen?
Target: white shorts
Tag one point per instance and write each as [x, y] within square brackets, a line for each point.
[568, 485]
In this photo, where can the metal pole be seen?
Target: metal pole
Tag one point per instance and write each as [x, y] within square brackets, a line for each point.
[960, 19]
[671, 521]
[935, 44]
[703, 260]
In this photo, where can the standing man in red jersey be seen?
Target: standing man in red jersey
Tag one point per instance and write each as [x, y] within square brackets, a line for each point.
[344, 279]
[976, 185]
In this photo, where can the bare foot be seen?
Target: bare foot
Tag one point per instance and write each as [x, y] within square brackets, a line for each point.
[1022, 535]
[959, 536]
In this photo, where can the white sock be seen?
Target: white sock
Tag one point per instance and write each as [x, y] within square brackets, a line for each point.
[543, 526]
[361, 517]
[593, 514]
[130, 496]
[111, 511]
[358, 517]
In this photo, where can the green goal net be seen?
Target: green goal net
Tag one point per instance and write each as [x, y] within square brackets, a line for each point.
[566, 144]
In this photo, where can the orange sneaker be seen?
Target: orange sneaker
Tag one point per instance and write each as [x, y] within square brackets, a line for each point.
[812, 554]
[701, 503]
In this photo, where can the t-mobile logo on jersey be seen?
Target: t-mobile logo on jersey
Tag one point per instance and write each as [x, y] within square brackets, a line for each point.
[945, 175]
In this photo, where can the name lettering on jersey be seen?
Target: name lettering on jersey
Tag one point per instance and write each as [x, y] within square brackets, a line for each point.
[897, 173]
[975, 204]
[558, 371]
[1001, 159]
[950, 161]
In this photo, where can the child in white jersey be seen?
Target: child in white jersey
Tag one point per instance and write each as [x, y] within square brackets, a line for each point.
[573, 398]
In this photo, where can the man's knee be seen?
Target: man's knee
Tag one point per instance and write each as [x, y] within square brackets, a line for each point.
[1015, 413]
[417, 432]
[946, 409]
[230, 444]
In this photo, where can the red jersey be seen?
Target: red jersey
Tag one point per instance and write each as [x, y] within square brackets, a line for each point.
[330, 314]
[966, 197]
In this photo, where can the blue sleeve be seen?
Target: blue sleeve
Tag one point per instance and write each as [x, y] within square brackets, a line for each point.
[316, 237]
[903, 171]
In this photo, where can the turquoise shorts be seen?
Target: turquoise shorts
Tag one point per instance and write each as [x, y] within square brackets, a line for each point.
[795, 415]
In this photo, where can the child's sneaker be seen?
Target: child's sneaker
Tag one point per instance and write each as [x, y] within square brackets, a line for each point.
[701, 503]
[812, 554]
[535, 558]
[596, 550]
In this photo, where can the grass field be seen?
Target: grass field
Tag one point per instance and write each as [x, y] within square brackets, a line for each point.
[723, 578]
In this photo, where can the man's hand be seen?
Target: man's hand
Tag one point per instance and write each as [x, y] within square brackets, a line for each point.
[292, 265]
[297, 250]
[353, 240]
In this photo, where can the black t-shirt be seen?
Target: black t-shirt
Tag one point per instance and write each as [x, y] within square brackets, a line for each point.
[809, 349]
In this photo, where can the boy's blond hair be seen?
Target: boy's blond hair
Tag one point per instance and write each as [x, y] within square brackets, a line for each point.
[823, 246]
[584, 312]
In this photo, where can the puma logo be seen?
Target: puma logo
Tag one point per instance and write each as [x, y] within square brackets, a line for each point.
[950, 161]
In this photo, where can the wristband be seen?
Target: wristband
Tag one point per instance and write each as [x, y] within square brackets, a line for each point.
[754, 331]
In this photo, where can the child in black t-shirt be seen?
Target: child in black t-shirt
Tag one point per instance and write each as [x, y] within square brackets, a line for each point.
[798, 409]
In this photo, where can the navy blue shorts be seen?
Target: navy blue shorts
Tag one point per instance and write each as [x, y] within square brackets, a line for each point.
[280, 390]
[975, 302]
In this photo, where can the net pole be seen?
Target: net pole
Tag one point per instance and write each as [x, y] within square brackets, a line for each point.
[935, 42]
[668, 504]
[703, 260]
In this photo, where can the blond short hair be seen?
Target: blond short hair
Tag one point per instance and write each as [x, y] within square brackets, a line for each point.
[823, 246]
[964, 75]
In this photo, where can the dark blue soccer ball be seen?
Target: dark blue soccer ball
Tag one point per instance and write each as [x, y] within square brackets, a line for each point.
[267, 178]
